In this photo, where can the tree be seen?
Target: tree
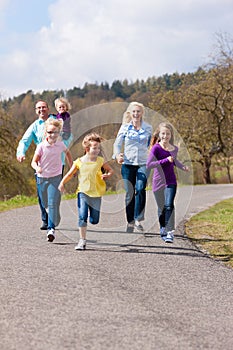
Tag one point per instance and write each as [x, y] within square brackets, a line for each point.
[202, 112]
[12, 181]
[222, 64]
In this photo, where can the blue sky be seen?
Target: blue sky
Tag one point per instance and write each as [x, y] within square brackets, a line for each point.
[59, 44]
[26, 16]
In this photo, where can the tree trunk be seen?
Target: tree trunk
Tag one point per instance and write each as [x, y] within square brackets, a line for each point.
[229, 174]
[206, 170]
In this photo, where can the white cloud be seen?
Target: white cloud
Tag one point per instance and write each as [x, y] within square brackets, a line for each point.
[102, 40]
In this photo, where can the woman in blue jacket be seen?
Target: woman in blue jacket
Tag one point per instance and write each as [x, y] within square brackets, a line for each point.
[134, 137]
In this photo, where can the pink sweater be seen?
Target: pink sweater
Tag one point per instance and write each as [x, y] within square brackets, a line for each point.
[50, 158]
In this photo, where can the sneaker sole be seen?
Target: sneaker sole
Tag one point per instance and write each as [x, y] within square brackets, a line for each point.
[77, 248]
[168, 240]
[139, 229]
[50, 238]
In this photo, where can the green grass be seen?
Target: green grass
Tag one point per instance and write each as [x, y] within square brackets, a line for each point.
[23, 201]
[212, 231]
[17, 202]
[20, 201]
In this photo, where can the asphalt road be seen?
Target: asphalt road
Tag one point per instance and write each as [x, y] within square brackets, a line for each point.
[126, 291]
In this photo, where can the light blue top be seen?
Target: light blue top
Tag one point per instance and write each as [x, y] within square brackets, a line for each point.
[35, 133]
[135, 142]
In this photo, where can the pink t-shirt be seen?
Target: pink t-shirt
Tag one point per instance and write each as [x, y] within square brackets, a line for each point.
[50, 158]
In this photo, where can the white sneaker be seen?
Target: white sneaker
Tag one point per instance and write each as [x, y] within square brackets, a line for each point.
[81, 244]
[51, 235]
[170, 236]
[163, 233]
[138, 226]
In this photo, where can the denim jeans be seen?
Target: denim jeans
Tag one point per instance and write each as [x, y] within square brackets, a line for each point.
[135, 180]
[50, 198]
[86, 203]
[166, 210]
[44, 215]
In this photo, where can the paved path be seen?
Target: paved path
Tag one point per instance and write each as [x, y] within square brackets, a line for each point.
[124, 292]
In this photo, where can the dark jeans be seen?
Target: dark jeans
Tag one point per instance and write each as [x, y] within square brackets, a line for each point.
[166, 210]
[135, 180]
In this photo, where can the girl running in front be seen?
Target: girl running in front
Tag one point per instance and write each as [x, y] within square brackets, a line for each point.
[162, 158]
[91, 184]
[47, 162]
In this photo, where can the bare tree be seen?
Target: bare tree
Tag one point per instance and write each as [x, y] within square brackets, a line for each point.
[202, 112]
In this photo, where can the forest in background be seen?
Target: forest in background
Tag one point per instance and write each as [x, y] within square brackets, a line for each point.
[199, 106]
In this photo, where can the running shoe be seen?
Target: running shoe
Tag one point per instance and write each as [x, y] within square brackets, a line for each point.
[170, 236]
[138, 226]
[51, 235]
[81, 244]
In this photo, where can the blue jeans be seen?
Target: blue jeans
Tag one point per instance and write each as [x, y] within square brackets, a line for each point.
[166, 210]
[50, 198]
[44, 215]
[135, 180]
[86, 203]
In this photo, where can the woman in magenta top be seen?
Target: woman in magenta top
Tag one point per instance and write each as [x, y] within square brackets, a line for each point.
[163, 158]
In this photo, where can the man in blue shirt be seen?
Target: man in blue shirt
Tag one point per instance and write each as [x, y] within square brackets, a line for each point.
[35, 133]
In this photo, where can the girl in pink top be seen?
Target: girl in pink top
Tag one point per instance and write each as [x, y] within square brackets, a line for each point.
[47, 163]
[163, 159]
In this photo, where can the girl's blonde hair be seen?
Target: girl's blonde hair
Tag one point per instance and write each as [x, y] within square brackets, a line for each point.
[127, 114]
[155, 137]
[86, 143]
[63, 100]
[58, 123]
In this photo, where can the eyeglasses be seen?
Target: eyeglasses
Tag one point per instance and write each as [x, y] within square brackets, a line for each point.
[52, 132]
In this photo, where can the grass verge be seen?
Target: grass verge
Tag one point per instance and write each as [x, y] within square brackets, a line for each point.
[24, 201]
[17, 202]
[20, 201]
[212, 231]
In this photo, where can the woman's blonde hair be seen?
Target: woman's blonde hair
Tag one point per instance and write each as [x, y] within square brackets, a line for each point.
[127, 114]
[155, 137]
[63, 100]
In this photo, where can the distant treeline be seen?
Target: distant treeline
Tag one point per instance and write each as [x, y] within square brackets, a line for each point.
[198, 104]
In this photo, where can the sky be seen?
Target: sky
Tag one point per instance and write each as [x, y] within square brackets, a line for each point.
[61, 44]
